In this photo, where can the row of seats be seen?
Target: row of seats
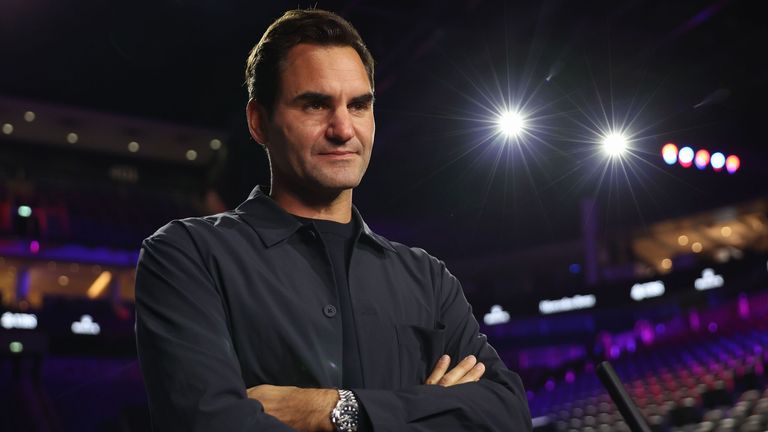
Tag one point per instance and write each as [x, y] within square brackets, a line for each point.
[716, 385]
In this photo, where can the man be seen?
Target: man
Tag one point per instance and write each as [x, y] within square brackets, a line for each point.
[253, 319]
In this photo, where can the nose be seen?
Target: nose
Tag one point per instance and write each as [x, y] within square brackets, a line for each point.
[340, 128]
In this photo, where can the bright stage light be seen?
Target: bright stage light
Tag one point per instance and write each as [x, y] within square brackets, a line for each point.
[702, 159]
[685, 156]
[511, 123]
[717, 161]
[732, 164]
[614, 144]
[669, 153]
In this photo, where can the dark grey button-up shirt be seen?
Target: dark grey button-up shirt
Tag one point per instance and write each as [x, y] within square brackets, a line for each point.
[246, 297]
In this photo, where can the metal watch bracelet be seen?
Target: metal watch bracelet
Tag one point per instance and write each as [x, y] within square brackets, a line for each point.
[345, 416]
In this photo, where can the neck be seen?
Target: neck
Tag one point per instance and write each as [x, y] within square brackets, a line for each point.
[334, 206]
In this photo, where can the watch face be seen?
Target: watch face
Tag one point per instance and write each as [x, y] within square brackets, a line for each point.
[344, 415]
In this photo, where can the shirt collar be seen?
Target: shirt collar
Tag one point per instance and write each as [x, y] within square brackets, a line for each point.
[273, 224]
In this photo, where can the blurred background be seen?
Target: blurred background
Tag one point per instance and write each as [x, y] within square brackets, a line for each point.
[594, 173]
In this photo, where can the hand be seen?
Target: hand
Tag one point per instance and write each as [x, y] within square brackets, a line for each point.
[468, 370]
[299, 408]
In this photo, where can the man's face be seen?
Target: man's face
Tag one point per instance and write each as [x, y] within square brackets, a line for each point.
[321, 132]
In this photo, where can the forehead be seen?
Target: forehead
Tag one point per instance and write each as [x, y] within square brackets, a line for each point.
[323, 69]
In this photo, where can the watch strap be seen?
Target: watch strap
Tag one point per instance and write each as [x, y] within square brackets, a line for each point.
[345, 417]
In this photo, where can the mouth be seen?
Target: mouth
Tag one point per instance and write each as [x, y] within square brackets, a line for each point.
[338, 154]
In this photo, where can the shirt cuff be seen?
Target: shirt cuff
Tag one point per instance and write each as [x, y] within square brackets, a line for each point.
[363, 420]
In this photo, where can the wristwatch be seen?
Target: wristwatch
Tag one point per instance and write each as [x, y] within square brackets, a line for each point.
[345, 415]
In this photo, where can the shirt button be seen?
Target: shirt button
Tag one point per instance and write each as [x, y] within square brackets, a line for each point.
[329, 311]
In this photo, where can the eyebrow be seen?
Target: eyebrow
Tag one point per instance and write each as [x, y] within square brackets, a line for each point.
[366, 99]
[324, 98]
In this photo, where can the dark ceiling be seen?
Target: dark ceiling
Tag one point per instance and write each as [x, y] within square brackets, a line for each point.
[688, 71]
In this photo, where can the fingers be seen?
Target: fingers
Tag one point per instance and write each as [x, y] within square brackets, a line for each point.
[458, 372]
[473, 375]
[468, 370]
[437, 373]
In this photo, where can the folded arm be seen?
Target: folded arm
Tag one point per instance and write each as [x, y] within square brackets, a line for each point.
[495, 402]
[478, 393]
[310, 409]
[190, 368]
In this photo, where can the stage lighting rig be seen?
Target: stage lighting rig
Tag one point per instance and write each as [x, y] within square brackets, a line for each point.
[701, 158]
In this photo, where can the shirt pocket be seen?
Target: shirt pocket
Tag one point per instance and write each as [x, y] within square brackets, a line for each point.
[419, 349]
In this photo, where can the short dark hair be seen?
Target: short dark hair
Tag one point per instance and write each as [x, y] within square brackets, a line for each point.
[311, 26]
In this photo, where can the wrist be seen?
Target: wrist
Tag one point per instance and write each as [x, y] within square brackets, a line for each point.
[326, 400]
[345, 416]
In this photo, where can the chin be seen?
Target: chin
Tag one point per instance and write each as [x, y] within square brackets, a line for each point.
[339, 187]
[339, 183]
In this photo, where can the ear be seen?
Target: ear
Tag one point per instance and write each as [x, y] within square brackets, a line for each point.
[257, 121]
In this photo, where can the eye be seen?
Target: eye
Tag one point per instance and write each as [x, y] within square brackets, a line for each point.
[360, 106]
[314, 106]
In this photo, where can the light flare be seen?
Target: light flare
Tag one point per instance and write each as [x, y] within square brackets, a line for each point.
[615, 144]
[511, 123]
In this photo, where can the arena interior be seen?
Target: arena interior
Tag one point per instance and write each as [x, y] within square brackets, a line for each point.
[595, 174]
